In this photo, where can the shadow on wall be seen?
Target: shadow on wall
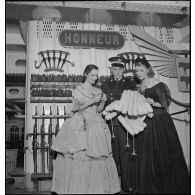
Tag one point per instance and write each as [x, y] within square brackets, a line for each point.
[24, 12]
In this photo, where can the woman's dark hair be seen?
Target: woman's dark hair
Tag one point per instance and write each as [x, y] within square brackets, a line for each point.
[142, 61]
[88, 69]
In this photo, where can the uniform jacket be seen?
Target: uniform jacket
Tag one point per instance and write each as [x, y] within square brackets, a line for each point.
[114, 89]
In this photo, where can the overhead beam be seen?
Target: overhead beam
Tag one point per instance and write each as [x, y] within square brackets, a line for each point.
[171, 7]
[24, 12]
[13, 35]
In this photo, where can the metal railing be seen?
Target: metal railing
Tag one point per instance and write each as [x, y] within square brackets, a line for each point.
[41, 144]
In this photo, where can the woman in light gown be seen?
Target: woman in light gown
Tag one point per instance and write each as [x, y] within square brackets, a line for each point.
[84, 164]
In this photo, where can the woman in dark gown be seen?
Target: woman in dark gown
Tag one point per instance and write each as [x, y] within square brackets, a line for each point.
[159, 166]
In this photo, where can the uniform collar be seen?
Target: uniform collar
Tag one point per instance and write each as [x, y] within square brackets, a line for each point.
[114, 79]
[118, 79]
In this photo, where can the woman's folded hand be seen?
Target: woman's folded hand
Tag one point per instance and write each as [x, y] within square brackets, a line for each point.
[96, 99]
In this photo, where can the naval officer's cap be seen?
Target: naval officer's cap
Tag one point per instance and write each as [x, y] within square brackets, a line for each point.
[117, 61]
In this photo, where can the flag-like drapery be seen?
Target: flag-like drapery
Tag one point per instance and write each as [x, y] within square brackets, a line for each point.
[155, 52]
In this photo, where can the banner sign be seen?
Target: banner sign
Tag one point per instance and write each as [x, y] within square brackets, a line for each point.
[91, 39]
[183, 71]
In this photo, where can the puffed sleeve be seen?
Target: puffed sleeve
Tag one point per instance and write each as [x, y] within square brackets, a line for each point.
[77, 99]
[163, 95]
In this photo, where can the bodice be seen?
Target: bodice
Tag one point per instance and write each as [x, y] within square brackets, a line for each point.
[81, 96]
[159, 93]
[152, 93]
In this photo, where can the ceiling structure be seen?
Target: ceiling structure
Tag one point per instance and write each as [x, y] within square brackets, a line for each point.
[172, 7]
[169, 12]
[141, 13]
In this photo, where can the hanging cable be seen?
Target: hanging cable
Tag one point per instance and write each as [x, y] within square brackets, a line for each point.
[127, 145]
[113, 136]
[133, 153]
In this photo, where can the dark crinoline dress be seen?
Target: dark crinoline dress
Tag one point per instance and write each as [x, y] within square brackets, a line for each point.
[159, 166]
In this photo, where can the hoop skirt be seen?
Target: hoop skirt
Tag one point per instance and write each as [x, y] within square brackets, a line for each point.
[84, 164]
[159, 166]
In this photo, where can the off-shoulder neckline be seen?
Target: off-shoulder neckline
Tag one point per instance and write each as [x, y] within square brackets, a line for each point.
[83, 91]
[93, 87]
[154, 85]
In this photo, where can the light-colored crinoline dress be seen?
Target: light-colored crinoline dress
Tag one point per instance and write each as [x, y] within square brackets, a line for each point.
[87, 165]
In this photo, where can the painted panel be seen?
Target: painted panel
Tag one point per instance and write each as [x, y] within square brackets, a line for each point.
[183, 71]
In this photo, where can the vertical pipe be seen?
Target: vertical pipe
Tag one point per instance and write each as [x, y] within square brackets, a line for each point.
[50, 142]
[34, 144]
[57, 125]
[64, 112]
[32, 47]
[43, 143]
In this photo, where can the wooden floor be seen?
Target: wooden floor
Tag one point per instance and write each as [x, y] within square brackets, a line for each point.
[18, 186]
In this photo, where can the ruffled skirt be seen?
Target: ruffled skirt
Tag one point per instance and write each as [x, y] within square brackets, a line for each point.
[85, 165]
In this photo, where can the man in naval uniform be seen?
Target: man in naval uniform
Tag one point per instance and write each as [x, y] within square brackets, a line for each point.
[113, 87]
